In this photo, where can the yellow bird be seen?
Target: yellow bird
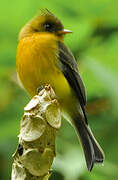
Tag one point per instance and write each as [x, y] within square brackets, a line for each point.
[42, 58]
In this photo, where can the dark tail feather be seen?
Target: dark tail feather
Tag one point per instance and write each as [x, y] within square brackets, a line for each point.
[92, 150]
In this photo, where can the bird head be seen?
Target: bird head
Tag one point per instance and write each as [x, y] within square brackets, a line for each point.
[46, 22]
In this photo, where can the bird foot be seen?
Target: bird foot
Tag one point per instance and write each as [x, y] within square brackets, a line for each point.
[40, 88]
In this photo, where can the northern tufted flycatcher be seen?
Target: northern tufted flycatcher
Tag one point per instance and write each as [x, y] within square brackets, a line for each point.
[43, 58]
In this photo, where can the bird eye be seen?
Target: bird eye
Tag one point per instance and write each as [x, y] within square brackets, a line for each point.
[48, 27]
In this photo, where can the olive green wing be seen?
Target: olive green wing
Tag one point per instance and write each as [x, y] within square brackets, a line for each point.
[69, 68]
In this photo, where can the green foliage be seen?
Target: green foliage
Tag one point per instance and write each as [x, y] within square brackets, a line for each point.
[94, 43]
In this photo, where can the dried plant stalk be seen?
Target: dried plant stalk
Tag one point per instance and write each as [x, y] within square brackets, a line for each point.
[38, 129]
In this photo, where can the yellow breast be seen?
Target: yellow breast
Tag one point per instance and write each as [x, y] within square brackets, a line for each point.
[37, 59]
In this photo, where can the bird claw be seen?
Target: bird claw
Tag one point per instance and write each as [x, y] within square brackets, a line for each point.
[40, 88]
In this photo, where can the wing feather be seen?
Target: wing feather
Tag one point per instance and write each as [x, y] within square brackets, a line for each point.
[70, 70]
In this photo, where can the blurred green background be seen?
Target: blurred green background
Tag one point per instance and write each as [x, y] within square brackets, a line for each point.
[94, 43]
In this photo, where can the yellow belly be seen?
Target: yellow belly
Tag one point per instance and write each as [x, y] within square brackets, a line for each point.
[37, 57]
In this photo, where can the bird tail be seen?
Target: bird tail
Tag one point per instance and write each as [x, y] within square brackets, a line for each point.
[92, 150]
